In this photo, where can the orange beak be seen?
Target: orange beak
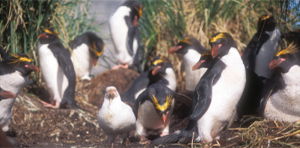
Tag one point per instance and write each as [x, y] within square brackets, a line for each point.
[198, 64]
[214, 50]
[174, 49]
[274, 63]
[164, 118]
[33, 67]
[155, 70]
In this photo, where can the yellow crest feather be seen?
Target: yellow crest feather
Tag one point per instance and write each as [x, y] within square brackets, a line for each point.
[163, 107]
[289, 50]
[158, 61]
[264, 17]
[186, 40]
[20, 59]
[217, 37]
[50, 32]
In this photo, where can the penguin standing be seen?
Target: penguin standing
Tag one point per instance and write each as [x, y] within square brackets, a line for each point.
[282, 93]
[153, 110]
[14, 74]
[191, 50]
[217, 94]
[257, 55]
[86, 50]
[115, 117]
[57, 70]
[123, 26]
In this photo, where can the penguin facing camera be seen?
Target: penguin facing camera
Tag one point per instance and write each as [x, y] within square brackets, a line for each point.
[87, 48]
[153, 110]
[216, 95]
[281, 99]
[191, 50]
[57, 70]
[14, 72]
[123, 26]
[115, 117]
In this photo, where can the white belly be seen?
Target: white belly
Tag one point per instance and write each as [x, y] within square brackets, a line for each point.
[171, 78]
[6, 112]
[52, 74]
[148, 117]
[12, 82]
[119, 33]
[116, 117]
[284, 104]
[266, 54]
[81, 60]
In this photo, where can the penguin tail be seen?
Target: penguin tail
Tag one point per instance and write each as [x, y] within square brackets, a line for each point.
[177, 137]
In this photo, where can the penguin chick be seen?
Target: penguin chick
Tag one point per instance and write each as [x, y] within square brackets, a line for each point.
[191, 50]
[57, 70]
[123, 26]
[153, 110]
[281, 96]
[115, 117]
[87, 48]
[256, 57]
[14, 74]
[217, 93]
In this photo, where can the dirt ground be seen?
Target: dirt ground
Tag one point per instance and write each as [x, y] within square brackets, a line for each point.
[36, 126]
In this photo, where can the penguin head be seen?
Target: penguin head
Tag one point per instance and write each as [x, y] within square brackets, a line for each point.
[111, 93]
[162, 103]
[96, 50]
[204, 61]
[187, 43]
[47, 35]
[159, 66]
[136, 10]
[266, 23]
[286, 58]
[22, 63]
[220, 44]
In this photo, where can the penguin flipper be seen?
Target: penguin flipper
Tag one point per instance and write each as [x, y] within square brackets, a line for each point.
[63, 58]
[183, 136]
[253, 48]
[142, 97]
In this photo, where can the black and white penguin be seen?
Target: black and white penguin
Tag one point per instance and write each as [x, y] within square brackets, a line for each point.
[57, 70]
[115, 117]
[257, 55]
[153, 110]
[160, 70]
[87, 48]
[190, 49]
[262, 47]
[216, 95]
[282, 92]
[14, 74]
[125, 34]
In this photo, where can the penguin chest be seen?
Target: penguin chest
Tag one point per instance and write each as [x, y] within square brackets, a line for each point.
[171, 78]
[6, 110]
[228, 89]
[48, 62]
[192, 77]
[12, 82]
[81, 60]
[266, 54]
[116, 117]
[149, 117]
[288, 99]
[119, 31]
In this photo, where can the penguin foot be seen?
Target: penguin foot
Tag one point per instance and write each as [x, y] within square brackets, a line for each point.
[50, 105]
[125, 66]
[144, 140]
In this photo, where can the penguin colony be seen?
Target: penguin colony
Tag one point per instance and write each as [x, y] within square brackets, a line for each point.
[223, 84]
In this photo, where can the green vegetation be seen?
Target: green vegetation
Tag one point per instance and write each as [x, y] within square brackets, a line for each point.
[23, 20]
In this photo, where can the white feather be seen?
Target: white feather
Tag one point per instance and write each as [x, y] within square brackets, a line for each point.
[284, 104]
[225, 95]
[81, 61]
[115, 116]
[266, 54]
[171, 78]
[192, 77]
[119, 33]
[12, 82]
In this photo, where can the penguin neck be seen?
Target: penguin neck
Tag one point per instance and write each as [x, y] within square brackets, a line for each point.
[292, 77]
[232, 57]
[190, 58]
[171, 78]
